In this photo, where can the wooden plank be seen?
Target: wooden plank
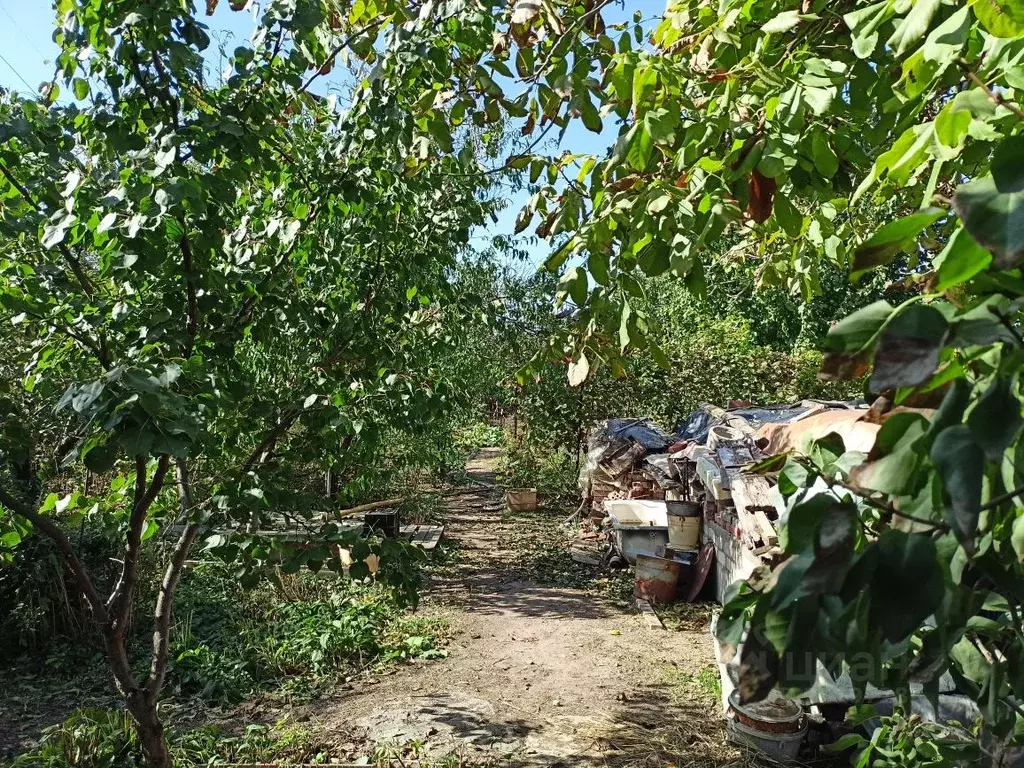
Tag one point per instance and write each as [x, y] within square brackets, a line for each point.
[433, 537]
[751, 530]
[342, 513]
[584, 558]
[424, 536]
[768, 533]
[648, 615]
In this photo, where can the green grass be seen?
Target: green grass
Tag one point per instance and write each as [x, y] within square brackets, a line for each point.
[687, 686]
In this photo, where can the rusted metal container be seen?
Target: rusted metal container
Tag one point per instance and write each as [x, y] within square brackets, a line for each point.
[521, 499]
[776, 726]
[656, 578]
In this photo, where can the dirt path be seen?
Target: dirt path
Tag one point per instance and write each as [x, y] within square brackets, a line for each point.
[534, 671]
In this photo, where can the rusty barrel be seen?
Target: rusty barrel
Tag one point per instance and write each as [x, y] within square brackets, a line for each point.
[656, 578]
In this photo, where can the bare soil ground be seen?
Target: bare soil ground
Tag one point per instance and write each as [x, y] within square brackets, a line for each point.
[537, 674]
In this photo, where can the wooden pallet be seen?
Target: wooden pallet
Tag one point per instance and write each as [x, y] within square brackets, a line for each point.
[425, 536]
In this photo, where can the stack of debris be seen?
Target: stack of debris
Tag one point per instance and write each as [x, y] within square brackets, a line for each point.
[635, 472]
[618, 452]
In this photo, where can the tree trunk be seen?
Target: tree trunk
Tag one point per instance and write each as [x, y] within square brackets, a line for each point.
[151, 730]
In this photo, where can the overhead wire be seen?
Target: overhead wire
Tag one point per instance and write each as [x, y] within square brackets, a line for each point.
[16, 72]
[26, 36]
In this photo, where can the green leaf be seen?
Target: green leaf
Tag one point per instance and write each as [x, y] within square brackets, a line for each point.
[908, 350]
[825, 158]
[856, 331]
[80, 88]
[659, 356]
[625, 327]
[952, 125]
[995, 217]
[100, 459]
[659, 203]
[597, 263]
[784, 21]
[907, 586]
[864, 24]
[913, 26]
[959, 261]
[995, 419]
[970, 661]
[589, 114]
[574, 283]
[894, 470]
[645, 80]
[892, 238]
[640, 148]
[1017, 536]
[1008, 164]
[788, 217]
[960, 462]
[655, 258]
[1000, 18]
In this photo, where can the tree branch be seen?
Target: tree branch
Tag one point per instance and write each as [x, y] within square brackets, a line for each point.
[1003, 498]
[279, 429]
[192, 303]
[120, 600]
[338, 49]
[994, 96]
[77, 568]
[169, 585]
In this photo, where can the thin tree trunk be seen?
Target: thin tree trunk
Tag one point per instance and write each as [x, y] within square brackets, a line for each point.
[151, 730]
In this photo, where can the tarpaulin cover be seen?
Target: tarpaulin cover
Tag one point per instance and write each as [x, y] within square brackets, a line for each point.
[643, 431]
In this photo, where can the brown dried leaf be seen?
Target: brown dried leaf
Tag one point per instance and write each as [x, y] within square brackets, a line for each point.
[761, 195]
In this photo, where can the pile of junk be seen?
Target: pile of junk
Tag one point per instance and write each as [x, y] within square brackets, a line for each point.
[682, 510]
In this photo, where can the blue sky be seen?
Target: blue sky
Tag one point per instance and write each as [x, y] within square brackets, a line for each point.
[28, 52]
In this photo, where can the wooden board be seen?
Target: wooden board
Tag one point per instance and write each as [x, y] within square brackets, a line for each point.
[425, 536]
[751, 495]
[768, 533]
[648, 615]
